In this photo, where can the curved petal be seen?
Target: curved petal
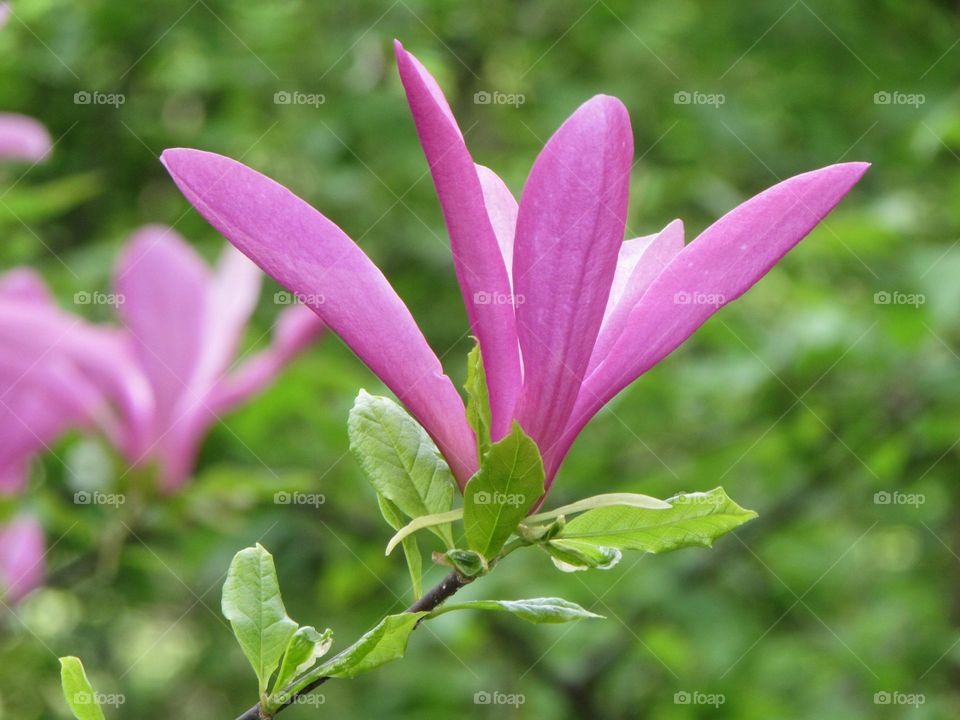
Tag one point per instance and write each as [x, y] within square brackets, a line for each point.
[569, 231]
[23, 138]
[718, 267]
[164, 288]
[480, 269]
[21, 557]
[312, 257]
[640, 261]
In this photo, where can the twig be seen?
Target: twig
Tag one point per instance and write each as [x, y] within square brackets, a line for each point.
[430, 600]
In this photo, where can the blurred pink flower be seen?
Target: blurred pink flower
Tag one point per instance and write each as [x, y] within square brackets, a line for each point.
[567, 314]
[21, 557]
[154, 386]
[184, 323]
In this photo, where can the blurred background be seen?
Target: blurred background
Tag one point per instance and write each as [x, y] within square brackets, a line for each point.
[824, 399]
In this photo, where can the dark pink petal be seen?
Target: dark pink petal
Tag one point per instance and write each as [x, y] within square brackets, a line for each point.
[715, 269]
[21, 558]
[569, 231]
[478, 262]
[639, 263]
[313, 258]
[23, 138]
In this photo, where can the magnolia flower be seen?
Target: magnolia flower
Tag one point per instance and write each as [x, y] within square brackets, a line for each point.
[21, 138]
[183, 324]
[21, 557]
[154, 386]
[567, 314]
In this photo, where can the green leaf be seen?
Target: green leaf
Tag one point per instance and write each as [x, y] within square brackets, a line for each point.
[535, 610]
[411, 550]
[424, 521]
[497, 498]
[400, 460]
[605, 500]
[694, 520]
[478, 401]
[303, 649]
[573, 555]
[253, 605]
[386, 642]
[77, 690]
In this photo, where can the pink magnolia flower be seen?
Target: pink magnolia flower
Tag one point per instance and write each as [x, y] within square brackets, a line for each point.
[21, 557]
[154, 386]
[183, 324]
[21, 137]
[567, 314]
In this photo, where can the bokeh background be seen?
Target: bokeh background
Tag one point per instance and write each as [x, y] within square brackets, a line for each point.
[804, 400]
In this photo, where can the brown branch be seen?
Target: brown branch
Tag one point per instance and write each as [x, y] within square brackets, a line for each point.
[431, 600]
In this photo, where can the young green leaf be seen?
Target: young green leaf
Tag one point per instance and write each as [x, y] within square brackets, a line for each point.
[386, 642]
[411, 550]
[605, 500]
[467, 562]
[535, 610]
[400, 460]
[304, 647]
[424, 521]
[253, 605]
[497, 498]
[77, 690]
[478, 401]
[573, 555]
[693, 520]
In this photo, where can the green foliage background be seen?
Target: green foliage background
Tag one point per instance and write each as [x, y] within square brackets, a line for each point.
[803, 400]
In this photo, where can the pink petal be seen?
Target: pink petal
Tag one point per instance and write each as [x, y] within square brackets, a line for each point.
[32, 334]
[21, 558]
[640, 261]
[569, 231]
[164, 286]
[479, 264]
[312, 257]
[23, 138]
[715, 269]
[502, 208]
